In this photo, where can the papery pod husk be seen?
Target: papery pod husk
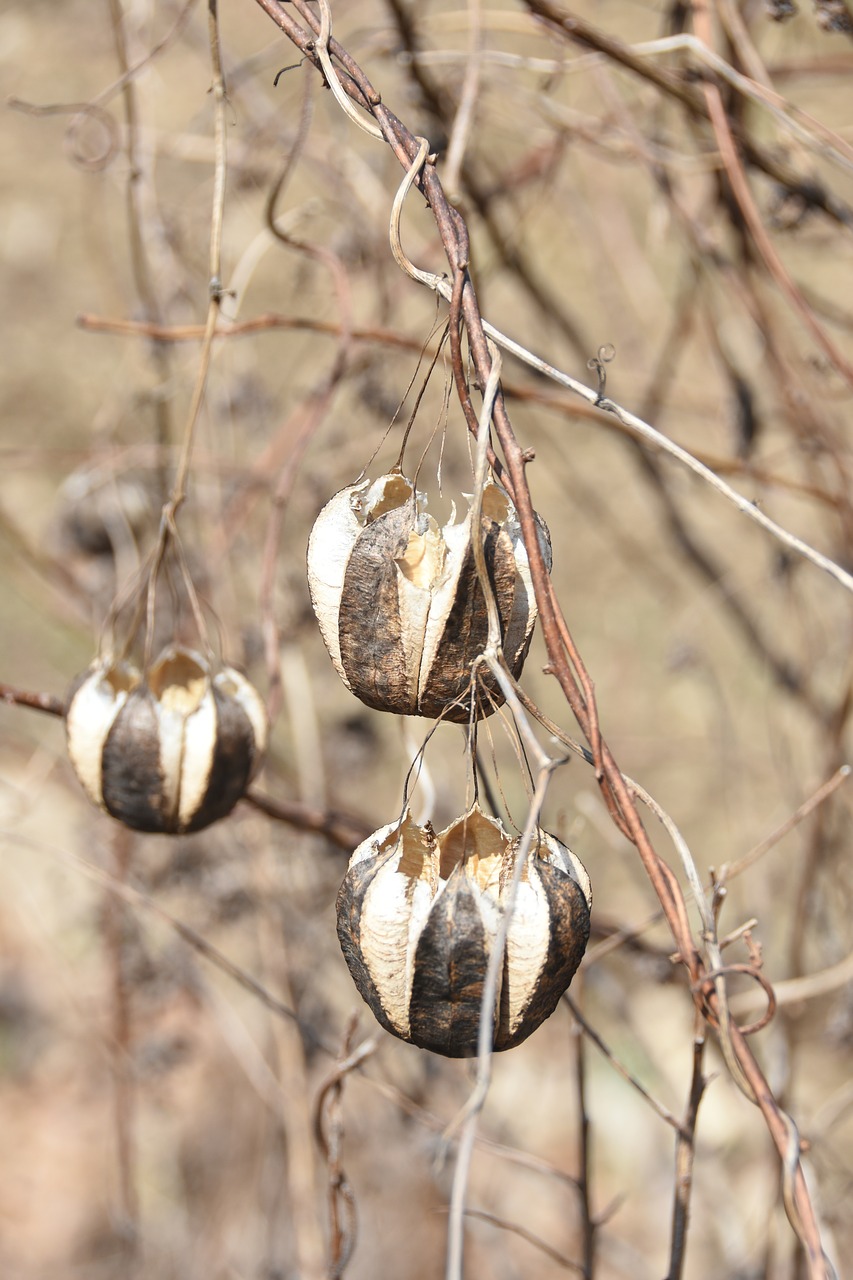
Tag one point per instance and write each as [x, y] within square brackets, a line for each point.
[399, 603]
[169, 750]
[418, 914]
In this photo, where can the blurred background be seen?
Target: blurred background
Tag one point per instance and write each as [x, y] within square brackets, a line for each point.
[160, 1118]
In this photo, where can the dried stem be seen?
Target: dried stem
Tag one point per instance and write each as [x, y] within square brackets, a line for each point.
[658, 1107]
[588, 1224]
[114, 917]
[344, 830]
[142, 217]
[568, 1264]
[464, 119]
[485, 1034]
[685, 1152]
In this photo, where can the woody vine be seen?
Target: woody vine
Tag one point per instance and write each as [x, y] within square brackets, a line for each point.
[707, 980]
[461, 941]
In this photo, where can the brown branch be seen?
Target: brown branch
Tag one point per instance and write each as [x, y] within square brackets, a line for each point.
[565, 405]
[479, 195]
[240, 329]
[344, 830]
[516, 1229]
[36, 701]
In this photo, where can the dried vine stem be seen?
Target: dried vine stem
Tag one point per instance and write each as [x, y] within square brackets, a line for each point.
[124, 1087]
[142, 218]
[544, 767]
[178, 492]
[329, 1132]
[564, 660]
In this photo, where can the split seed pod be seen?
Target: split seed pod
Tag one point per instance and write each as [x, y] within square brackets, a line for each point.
[418, 914]
[170, 750]
[399, 602]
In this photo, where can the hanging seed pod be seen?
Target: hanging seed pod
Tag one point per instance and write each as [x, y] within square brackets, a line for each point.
[170, 750]
[399, 603]
[418, 914]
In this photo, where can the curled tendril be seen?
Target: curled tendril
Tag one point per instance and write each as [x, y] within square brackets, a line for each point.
[83, 114]
[605, 354]
[428, 278]
[321, 47]
[707, 981]
[294, 66]
[80, 130]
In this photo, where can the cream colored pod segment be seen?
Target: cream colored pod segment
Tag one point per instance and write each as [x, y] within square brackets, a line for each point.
[171, 750]
[418, 916]
[399, 603]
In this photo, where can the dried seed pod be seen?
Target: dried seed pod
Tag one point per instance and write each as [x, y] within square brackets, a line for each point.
[418, 914]
[399, 603]
[169, 750]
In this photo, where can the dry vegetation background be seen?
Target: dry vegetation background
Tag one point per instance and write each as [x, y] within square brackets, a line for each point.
[157, 1117]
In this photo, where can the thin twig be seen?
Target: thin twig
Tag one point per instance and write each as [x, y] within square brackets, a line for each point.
[740, 186]
[122, 1049]
[729, 870]
[142, 220]
[464, 119]
[685, 1151]
[570, 26]
[477, 1099]
[589, 1031]
[545, 767]
[568, 1264]
[588, 1223]
[36, 701]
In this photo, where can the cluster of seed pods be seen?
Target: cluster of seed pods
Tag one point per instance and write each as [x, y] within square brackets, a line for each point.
[171, 747]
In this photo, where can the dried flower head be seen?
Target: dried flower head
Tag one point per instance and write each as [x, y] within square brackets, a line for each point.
[399, 603]
[171, 749]
[418, 915]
